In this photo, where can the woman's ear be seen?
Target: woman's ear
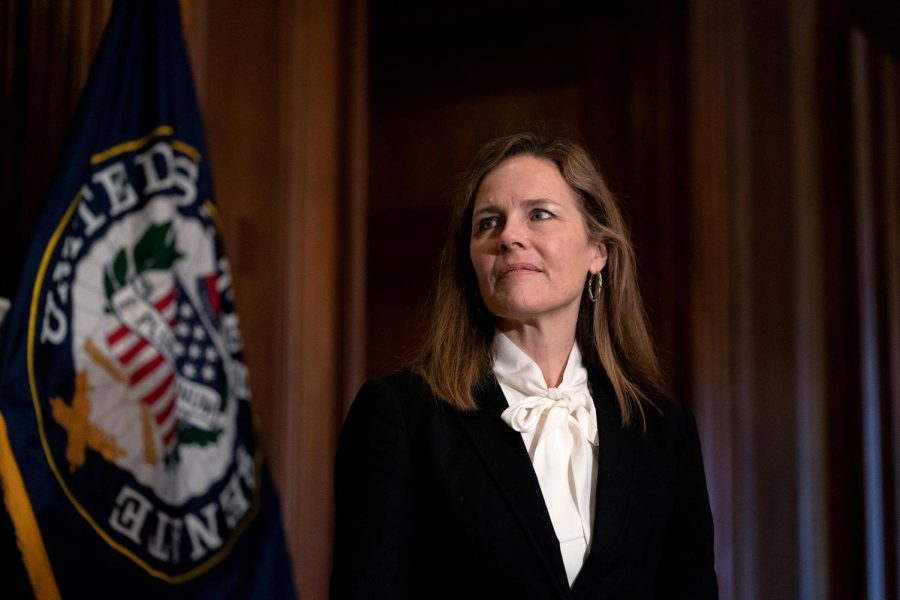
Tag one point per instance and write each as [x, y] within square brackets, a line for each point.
[601, 255]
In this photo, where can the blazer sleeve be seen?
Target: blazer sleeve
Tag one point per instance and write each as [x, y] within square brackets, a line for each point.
[373, 498]
[688, 569]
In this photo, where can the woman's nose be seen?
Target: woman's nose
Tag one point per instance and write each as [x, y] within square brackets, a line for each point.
[512, 235]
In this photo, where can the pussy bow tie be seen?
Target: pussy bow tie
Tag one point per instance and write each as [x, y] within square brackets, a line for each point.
[564, 423]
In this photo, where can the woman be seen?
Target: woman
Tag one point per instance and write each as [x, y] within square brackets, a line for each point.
[529, 452]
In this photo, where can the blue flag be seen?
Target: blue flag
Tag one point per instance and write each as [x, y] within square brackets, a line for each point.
[129, 460]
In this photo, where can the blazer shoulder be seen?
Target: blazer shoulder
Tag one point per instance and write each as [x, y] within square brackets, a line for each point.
[401, 385]
[661, 414]
[403, 392]
[666, 409]
[405, 383]
[670, 423]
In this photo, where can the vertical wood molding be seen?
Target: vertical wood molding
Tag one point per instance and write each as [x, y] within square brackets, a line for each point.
[809, 350]
[355, 205]
[308, 409]
[195, 24]
[757, 304]
[763, 299]
[891, 234]
[740, 293]
[867, 285]
[709, 284]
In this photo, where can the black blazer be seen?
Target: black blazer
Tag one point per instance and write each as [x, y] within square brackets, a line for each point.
[436, 503]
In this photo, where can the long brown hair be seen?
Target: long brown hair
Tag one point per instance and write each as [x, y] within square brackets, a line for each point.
[456, 355]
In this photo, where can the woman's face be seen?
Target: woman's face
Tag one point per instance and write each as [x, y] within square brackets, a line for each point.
[529, 245]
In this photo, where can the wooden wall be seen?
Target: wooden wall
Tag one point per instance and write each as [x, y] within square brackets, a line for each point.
[754, 146]
[445, 82]
[46, 56]
[793, 131]
[751, 146]
[284, 103]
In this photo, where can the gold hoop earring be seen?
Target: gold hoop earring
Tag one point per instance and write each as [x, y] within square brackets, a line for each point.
[595, 286]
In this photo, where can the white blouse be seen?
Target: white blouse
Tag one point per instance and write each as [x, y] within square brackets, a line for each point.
[559, 428]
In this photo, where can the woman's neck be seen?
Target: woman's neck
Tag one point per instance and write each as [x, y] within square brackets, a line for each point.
[549, 347]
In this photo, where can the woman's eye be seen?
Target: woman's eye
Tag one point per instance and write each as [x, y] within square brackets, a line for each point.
[539, 214]
[485, 224]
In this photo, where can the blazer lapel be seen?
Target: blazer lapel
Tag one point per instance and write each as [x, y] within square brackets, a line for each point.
[616, 470]
[504, 454]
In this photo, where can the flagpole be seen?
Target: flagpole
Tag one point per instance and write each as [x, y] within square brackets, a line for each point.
[28, 535]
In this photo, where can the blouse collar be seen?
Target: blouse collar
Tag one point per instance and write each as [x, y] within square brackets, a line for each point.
[514, 368]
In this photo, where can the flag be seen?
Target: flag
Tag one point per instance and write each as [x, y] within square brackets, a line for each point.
[129, 460]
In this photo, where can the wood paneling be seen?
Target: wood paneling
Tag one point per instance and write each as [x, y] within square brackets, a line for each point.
[739, 193]
[810, 306]
[875, 199]
[242, 128]
[355, 192]
[444, 82]
[274, 97]
[890, 223]
[309, 341]
[46, 54]
[787, 134]
[761, 187]
[709, 278]
[417, 154]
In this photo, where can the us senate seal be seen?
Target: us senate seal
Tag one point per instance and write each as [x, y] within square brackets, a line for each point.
[136, 362]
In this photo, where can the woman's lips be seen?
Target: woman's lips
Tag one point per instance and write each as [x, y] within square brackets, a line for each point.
[517, 268]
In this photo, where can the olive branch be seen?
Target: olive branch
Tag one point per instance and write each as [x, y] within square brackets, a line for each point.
[155, 250]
